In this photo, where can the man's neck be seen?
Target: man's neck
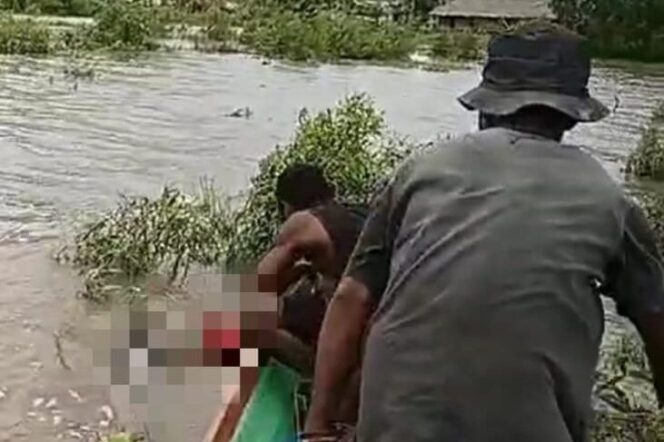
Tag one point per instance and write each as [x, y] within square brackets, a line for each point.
[550, 133]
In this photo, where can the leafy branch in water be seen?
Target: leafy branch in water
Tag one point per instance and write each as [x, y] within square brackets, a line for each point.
[141, 236]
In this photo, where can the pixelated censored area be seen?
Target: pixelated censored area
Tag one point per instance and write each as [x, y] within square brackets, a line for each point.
[223, 324]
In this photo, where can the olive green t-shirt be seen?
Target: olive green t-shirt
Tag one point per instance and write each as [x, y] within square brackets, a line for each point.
[484, 256]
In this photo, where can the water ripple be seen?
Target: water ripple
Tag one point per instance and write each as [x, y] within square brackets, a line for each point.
[70, 144]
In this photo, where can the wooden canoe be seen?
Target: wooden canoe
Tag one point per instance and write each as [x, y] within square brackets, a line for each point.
[262, 408]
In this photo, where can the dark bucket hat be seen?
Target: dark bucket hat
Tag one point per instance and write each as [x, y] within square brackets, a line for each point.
[541, 66]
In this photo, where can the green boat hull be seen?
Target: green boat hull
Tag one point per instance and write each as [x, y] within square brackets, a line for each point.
[272, 414]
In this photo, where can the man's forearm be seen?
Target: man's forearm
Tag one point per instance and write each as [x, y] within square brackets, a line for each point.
[339, 348]
[277, 271]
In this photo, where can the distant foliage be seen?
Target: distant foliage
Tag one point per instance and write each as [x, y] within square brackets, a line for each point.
[460, 45]
[647, 160]
[348, 142]
[632, 29]
[327, 36]
[74, 8]
[126, 25]
[24, 37]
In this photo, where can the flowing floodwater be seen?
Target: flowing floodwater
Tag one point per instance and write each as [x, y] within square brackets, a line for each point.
[71, 144]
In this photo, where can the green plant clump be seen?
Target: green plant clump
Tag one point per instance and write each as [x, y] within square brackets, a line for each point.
[24, 37]
[647, 160]
[348, 142]
[142, 236]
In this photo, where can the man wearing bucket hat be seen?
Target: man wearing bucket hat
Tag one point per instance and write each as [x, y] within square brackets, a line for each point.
[485, 259]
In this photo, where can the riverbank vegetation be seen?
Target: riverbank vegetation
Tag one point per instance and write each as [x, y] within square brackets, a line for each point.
[117, 25]
[628, 29]
[24, 37]
[333, 30]
[293, 30]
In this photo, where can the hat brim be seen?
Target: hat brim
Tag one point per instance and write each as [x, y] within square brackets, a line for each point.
[582, 109]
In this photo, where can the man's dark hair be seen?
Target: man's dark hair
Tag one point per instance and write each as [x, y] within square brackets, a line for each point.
[303, 186]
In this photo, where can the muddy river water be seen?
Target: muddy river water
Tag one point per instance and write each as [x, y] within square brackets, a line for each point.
[70, 145]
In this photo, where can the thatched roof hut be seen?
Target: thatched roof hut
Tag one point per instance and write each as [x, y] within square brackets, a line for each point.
[470, 12]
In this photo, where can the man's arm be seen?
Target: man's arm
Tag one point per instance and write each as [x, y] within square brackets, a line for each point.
[339, 348]
[301, 235]
[637, 285]
[347, 317]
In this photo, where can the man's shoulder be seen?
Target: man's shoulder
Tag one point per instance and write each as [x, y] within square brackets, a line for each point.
[435, 153]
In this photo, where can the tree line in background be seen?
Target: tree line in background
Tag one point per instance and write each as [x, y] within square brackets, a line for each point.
[630, 29]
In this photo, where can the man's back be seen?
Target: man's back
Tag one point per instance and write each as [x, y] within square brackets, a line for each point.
[498, 238]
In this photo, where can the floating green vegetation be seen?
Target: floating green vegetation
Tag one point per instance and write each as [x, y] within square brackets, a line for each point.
[647, 160]
[143, 236]
[24, 37]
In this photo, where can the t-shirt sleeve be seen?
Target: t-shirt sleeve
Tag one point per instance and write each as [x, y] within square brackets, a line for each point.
[636, 281]
[370, 261]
